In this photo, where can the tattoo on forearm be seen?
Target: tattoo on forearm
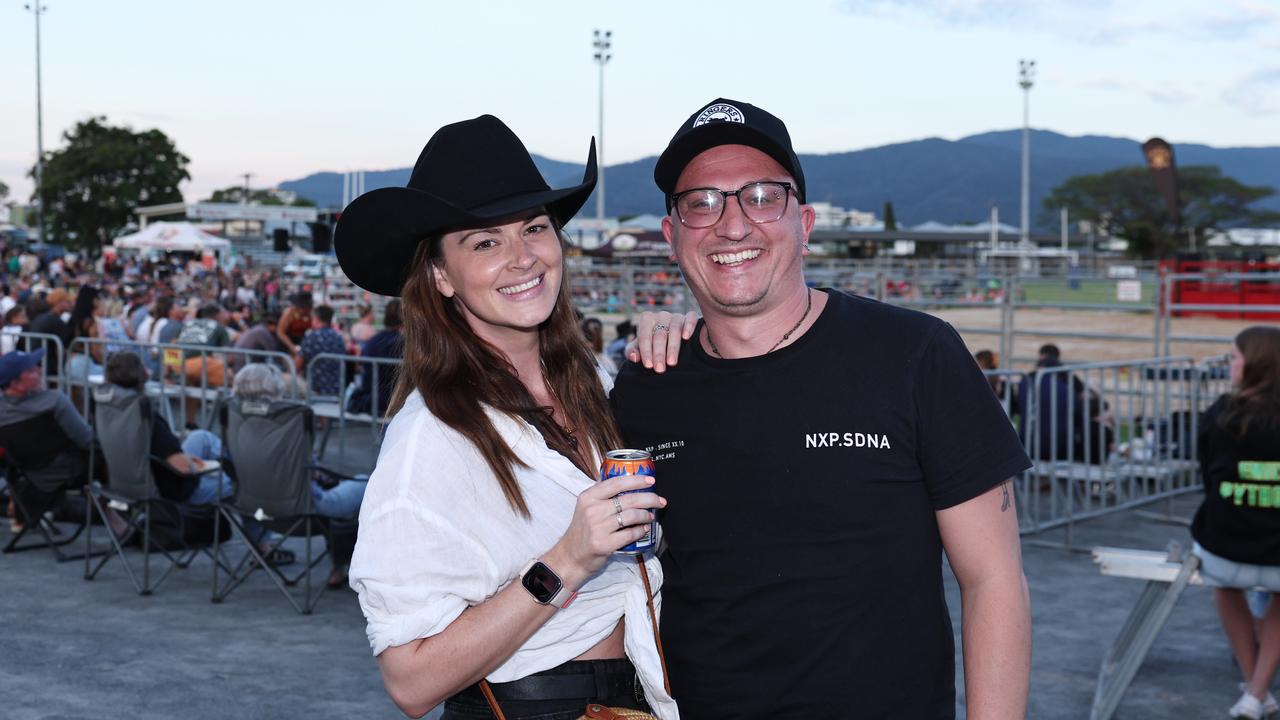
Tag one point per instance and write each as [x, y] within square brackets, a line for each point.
[1004, 503]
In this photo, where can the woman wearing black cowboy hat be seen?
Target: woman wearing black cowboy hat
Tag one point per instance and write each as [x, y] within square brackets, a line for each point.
[486, 548]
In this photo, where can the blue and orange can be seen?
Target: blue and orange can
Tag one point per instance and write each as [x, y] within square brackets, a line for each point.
[632, 462]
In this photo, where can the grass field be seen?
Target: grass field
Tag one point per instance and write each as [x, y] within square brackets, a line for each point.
[1082, 291]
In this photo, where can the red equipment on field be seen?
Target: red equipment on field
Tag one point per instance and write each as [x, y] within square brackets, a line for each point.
[1229, 292]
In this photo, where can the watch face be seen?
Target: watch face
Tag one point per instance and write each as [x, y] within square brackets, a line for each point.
[541, 582]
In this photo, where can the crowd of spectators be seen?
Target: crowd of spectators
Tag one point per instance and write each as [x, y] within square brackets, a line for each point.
[182, 301]
[126, 309]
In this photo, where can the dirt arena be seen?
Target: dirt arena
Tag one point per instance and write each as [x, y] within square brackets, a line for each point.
[1079, 350]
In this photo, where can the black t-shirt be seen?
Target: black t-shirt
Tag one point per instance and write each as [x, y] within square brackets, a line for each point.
[803, 575]
[1240, 516]
[49, 323]
[169, 483]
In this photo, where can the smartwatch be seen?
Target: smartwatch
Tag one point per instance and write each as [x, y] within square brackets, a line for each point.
[545, 585]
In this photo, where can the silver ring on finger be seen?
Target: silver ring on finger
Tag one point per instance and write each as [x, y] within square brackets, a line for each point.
[617, 504]
[660, 328]
[618, 516]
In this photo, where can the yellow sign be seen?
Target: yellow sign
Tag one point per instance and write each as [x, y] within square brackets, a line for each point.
[173, 359]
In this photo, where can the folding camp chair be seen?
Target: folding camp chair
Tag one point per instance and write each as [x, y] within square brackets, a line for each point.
[269, 443]
[29, 445]
[123, 426]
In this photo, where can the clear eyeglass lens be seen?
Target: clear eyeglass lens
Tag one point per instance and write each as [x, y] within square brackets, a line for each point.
[701, 206]
[761, 202]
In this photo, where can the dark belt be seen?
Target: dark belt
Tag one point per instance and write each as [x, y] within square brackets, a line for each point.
[596, 682]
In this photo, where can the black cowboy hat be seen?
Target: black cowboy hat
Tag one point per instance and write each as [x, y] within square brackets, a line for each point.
[470, 173]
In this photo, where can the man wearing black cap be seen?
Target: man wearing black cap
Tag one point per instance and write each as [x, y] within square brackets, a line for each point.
[819, 452]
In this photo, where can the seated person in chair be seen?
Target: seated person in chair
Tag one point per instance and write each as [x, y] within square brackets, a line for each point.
[31, 416]
[1067, 411]
[175, 478]
[339, 499]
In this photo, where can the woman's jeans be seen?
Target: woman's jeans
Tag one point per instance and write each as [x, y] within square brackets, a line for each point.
[340, 501]
[207, 446]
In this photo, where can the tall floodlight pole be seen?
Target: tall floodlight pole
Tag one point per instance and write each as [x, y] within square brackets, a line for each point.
[602, 42]
[37, 9]
[1026, 77]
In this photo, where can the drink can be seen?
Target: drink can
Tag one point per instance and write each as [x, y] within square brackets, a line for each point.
[632, 462]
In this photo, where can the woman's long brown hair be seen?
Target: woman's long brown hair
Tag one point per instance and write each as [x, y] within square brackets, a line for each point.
[1258, 398]
[458, 374]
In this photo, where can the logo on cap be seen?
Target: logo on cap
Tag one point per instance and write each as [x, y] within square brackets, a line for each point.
[720, 112]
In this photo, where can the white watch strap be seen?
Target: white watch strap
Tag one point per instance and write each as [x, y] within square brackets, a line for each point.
[563, 597]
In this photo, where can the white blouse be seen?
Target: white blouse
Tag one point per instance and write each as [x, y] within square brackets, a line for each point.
[437, 536]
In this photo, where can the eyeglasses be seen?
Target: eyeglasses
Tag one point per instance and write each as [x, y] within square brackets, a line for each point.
[761, 202]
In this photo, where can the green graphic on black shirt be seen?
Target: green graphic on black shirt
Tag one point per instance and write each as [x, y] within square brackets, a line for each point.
[1263, 493]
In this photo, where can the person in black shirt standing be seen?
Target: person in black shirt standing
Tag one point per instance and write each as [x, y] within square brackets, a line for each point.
[1237, 528]
[820, 452]
[48, 321]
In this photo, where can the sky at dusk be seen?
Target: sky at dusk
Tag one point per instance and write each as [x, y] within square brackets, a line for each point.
[281, 89]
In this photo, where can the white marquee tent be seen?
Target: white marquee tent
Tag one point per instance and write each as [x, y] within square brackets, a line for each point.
[174, 237]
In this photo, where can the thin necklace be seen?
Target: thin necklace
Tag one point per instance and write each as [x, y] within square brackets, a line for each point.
[807, 307]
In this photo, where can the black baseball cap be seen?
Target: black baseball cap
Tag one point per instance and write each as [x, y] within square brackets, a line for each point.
[726, 122]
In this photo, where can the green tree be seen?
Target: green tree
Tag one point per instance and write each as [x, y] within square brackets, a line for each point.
[1125, 203]
[235, 194]
[94, 183]
[4, 192]
[890, 222]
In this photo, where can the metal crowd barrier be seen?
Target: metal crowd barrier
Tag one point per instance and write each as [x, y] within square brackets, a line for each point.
[632, 286]
[330, 408]
[1107, 437]
[196, 377]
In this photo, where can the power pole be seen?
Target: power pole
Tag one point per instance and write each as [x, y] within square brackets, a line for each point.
[37, 9]
[1026, 78]
[602, 43]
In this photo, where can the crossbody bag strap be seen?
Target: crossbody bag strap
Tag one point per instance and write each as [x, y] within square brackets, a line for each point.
[493, 701]
[653, 620]
[657, 639]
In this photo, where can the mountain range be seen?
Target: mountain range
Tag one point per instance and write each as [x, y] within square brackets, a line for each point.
[947, 181]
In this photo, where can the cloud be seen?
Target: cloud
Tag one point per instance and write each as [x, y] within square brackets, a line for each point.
[1237, 19]
[1163, 95]
[1257, 93]
[1170, 95]
[963, 12]
[1094, 22]
[1107, 31]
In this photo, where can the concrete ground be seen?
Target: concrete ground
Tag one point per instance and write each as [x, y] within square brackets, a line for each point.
[76, 649]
